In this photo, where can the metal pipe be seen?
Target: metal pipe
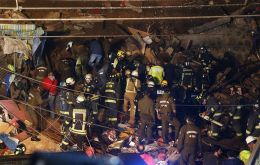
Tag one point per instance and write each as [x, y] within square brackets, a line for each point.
[123, 8]
[129, 19]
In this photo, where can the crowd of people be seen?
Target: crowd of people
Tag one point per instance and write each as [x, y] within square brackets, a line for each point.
[93, 98]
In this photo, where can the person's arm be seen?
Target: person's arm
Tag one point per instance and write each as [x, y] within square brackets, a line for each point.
[173, 106]
[251, 123]
[181, 139]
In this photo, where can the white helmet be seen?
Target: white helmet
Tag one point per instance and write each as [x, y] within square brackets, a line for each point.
[135, 73]
[250, 139]
[81, 98]
[88, 76]
[70, 81]
[150, 84]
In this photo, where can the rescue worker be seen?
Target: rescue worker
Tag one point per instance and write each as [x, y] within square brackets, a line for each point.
[133, 86]
[157, 72]
[213, 111]
[253, 123]
[34, 99]
[40, 73]
[151, 90]
[77, 123]
[236, 111]
[19, 88]
[66, 100]
[112, 95]
[166, 111]
[187, 75]
[147, 116]
[189, 143]
[120, 62]
[92, 94]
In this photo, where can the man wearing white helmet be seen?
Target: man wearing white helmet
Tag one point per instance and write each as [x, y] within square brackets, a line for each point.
[133, 85]
[251, 143]
[77, 124]
[66, 99]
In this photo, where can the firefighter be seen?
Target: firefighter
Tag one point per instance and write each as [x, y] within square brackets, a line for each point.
[151, 90]
[112, 95]
[166, 111]
[133, 86]
[189, 143]
[253, 123]
[77, 123]
[236, 111]
[147, 116]
[92, 94]
[120, 62]
[157, 72]
[187, 75]
[213, 111]
[34, 99]
[66, 100]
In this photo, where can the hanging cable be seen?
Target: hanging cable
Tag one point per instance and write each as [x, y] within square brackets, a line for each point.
[130, 18]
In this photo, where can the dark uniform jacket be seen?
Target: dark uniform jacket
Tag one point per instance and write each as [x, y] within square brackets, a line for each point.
[189, 139]
[146, 107]
[111, 92]
[165, 104]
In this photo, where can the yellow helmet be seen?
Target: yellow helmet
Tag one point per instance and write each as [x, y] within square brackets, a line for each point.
[164, 83]
[120, 53]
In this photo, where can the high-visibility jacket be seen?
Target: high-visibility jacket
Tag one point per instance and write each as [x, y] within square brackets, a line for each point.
[157, 72]
[132, 85]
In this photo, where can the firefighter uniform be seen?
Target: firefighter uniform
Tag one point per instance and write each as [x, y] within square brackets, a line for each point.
[147, 116]
[34, 99]
[187, 76]
[189, 143]
[77, 123]
[253, 123]
[236, 113]
[157, 72]
[112, 94]
[132, 86]
[167, 110]
[215, 112]
[92, 97]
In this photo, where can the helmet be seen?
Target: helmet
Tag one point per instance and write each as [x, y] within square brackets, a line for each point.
[20, 149]
[250, 139]
[120, 53]
[11, 67]
[150, 84]
[127, 72]
[88, 76]
[164, 83]
[80, 98]
[135, 73]
[70, 81]
[147, 40]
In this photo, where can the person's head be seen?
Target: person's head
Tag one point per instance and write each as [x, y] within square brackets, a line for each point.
[51, 76]
[70, 81]
[134, 74]
[140, 148]
[251, 142]
[121, 54]
[80, 99]
[88, 78]
[190, 120]
[217, 151]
